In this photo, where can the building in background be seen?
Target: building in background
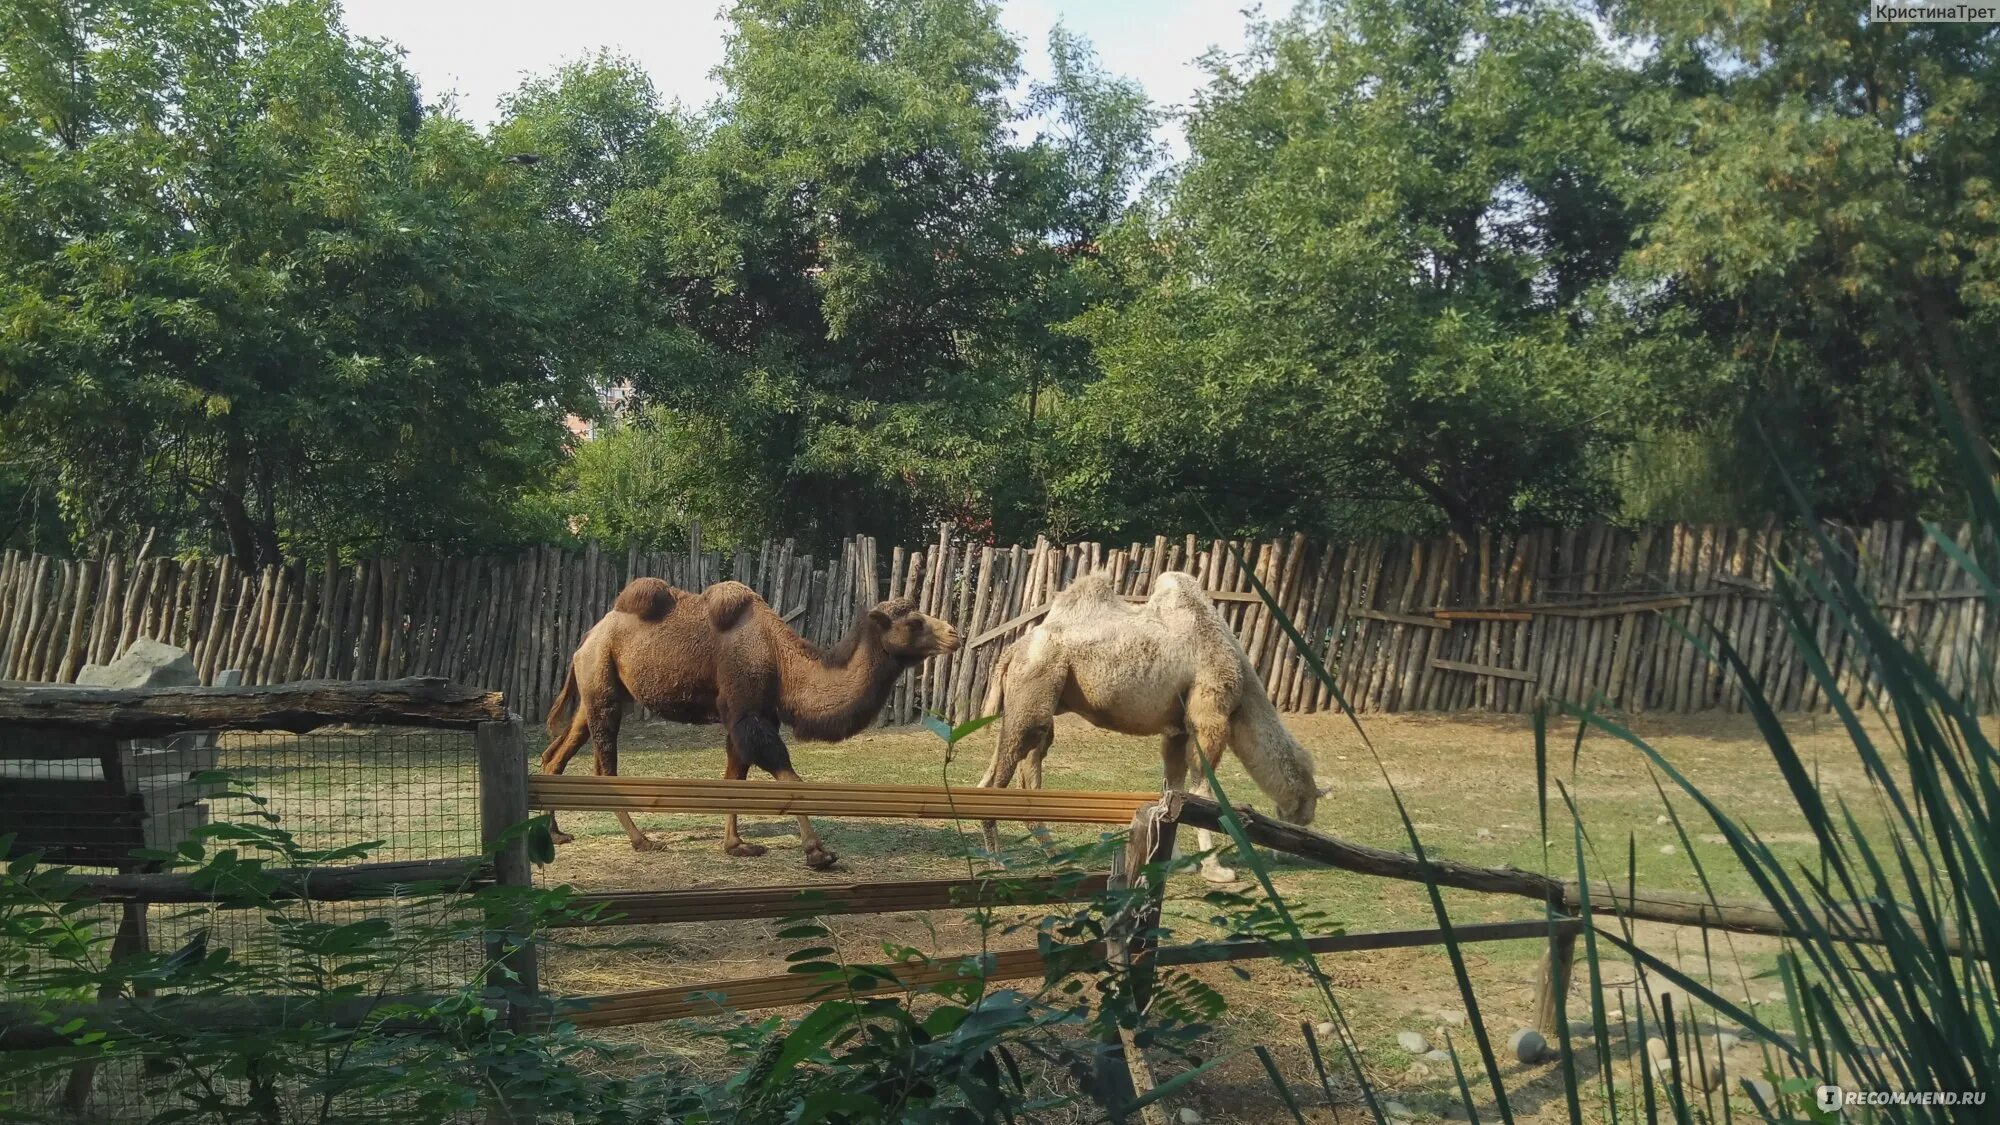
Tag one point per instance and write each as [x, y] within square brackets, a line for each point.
[612, 402]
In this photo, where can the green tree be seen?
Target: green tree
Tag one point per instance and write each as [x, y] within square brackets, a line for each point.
[1827, 219]
[647, 475]
[251, 291]
[850, 264]
[1376, 293]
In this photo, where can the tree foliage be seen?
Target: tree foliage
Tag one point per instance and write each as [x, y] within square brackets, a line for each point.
[1822, 192]
[250, 290]
[1376, 288]
[1426, 263]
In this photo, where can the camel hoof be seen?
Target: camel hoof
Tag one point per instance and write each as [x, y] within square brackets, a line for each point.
[648, 844]
[1218, 874]
[819, 859]
[745, 851]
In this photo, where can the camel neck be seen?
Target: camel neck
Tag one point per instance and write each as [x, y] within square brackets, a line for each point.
[831, 695]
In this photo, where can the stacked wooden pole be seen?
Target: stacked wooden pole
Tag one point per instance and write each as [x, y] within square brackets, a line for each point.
[1489, 624]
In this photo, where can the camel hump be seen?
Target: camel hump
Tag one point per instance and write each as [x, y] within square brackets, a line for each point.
[1093, 587]
[1176, 587]
[728, 602]
[649, 599]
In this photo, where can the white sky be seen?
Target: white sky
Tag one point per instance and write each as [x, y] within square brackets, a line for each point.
[480, 49]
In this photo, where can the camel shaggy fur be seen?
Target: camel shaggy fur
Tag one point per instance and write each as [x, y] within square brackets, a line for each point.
[722, 656]
[1170, 667]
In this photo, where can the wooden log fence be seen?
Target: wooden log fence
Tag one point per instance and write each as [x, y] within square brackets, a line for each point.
[1405, 624]
[594, 793]
[508, 793]
[719, 904]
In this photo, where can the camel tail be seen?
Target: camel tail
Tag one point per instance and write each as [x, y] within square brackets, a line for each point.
[565, 699]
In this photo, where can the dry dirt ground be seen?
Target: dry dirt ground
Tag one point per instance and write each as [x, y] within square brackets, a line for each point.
[1470, 788]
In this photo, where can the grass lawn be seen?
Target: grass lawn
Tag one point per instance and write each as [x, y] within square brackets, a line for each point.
[1468, 784]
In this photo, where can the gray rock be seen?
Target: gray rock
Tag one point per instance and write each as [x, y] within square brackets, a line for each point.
[1528, 1045]
[1397, 1110]
[1727, 1042]
[1413, 1043]
[1579, 1029]
[1325, 1030]
[1439, 1055]
[1657, 1048]
[146, 663]
[1190, 1116]
[1451, 1016]
[1486, 833]
[1668, 849]
[1663, 821]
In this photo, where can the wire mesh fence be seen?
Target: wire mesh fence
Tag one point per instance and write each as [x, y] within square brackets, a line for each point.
[332, 798]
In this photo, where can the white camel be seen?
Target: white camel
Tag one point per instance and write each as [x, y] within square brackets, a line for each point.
[1171, 667]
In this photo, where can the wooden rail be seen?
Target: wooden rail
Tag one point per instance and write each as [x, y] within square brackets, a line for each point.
[717, 904]
[1749, 916]
[321, 884]
[296, 707]
[707, 998]
[30, 1027]
[592, 793]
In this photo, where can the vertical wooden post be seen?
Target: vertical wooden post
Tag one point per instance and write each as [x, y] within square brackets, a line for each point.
[1130, 949]
[1553, 982]
[503, 806]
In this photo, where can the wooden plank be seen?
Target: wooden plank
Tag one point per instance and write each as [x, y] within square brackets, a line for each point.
[299, 707]
[1448, 615]
[321, 884]
[37, 1027]
[784, 990]
[716, 904]
[584, 793]
[1484, 670]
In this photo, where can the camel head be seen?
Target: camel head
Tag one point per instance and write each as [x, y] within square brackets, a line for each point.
[910, 636]
[1302, 809]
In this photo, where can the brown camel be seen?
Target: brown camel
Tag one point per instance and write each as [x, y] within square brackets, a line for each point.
[722, 656]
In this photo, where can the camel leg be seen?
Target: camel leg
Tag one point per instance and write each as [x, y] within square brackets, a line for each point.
[1023, 735]
[819, 857]
[1031, 778]
[736, 770]
[557, 756]
[1208, 717]
[758, 743]
[605, 716]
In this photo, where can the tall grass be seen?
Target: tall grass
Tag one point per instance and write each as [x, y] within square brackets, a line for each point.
[1889, 972]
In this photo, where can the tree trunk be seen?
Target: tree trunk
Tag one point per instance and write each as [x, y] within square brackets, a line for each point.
[1939, 323]
[1461, 515]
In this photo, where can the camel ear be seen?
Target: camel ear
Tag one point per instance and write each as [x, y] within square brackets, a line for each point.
[880, 617]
